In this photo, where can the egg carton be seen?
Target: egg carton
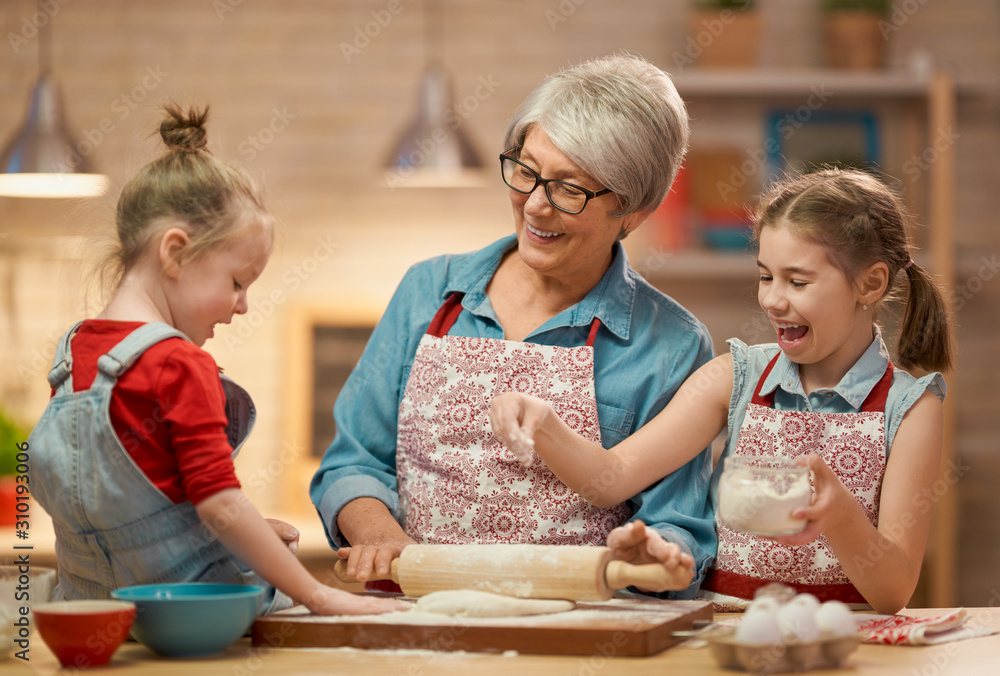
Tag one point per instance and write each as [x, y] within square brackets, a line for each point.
[825, 653]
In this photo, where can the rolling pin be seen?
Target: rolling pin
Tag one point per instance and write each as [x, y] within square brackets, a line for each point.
[576, 573]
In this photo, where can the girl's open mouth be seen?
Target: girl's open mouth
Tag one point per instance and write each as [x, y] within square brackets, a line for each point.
[790, 334]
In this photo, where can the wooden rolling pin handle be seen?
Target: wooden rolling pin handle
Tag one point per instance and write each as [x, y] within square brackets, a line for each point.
[340, 570]
[650, 576]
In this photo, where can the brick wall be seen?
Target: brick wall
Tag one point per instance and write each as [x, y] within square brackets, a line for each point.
[311, 103]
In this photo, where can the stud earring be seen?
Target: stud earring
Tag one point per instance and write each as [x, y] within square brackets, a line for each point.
[864, 307]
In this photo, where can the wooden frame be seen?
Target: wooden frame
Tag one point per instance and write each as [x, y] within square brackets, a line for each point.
[300, 383]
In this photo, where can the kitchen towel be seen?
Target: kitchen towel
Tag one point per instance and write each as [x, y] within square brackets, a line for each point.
[904, 630]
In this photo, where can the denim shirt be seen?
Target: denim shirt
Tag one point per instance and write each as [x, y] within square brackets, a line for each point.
[749, 361]
[646, 347]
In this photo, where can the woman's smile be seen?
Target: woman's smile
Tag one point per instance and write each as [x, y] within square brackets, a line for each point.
[544, 234]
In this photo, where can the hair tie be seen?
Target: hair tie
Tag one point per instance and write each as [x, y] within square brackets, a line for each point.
[907, 266]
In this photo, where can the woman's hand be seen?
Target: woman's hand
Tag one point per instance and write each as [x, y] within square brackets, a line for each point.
[289, 534]
[515, 417]
[638, 544]
[832, 503]
[373, 561]
[329, 601]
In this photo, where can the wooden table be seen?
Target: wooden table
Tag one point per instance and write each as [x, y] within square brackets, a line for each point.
[966, 658]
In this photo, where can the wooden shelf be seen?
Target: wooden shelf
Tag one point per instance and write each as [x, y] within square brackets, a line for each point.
[705, 265]
[768, 83]
[926, 104]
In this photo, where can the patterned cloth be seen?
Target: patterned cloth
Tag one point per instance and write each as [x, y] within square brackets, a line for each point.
[903, 630]
[458, 483]
[853, 445]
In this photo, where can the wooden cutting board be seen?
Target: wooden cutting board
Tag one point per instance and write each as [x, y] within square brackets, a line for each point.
[615, 628]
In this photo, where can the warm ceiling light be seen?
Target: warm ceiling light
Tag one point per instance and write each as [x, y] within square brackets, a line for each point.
[40, 160]
[434, 151]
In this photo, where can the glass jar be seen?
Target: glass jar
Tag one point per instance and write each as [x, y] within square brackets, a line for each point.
[757, 494]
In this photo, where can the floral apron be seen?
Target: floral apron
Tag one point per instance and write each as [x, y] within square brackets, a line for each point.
[458, 483]
[853, 445]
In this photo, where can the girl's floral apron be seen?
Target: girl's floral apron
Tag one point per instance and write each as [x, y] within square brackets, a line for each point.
[853, 445]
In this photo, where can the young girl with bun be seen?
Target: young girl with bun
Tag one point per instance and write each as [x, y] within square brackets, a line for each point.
[132, 458]
[832, 251]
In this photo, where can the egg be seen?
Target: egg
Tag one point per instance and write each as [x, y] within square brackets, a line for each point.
[758, 628]
[797, 623]
[765, 604]
[835, 619]
[807, 600]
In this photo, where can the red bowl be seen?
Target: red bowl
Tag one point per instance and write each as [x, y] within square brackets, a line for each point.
[84, 633]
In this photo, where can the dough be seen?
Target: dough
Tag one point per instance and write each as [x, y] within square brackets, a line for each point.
[473, 603]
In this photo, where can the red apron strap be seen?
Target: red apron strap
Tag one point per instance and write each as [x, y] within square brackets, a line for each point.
[875, 401]
[744, 586]
[446, 316]
[383, 586]
[594, 325]
[448, 313]
[767, 399]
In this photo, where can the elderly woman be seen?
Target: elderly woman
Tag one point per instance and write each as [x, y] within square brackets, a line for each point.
[554, 310]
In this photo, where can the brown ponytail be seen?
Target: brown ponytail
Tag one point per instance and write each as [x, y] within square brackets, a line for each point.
[924, 337]
[861, 221]
[186, 185]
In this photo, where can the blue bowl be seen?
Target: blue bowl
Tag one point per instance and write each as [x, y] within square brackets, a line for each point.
[191, 619]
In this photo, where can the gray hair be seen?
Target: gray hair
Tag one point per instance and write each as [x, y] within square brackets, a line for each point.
[619, 118]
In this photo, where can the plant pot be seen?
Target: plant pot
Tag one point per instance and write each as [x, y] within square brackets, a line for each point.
[854, 40]
[724, 38]
[8, 501]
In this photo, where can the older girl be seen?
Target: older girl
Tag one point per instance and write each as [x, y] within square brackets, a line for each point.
[132, 458]
[832, 249]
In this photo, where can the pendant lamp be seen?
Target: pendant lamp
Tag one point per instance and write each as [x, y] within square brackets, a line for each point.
[41, 159]
[434, 150]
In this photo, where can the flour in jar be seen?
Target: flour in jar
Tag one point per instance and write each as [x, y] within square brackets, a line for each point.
[758, 505]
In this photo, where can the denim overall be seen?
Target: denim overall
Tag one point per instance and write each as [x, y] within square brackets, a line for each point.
[113, 527]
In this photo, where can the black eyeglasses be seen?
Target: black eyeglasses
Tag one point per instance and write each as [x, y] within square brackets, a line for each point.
[562, 195]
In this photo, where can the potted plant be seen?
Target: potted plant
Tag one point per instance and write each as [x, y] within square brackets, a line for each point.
[11, 434]
[854, 33]
[724, 34]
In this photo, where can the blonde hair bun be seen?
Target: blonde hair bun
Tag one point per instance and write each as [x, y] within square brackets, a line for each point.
[184, 131]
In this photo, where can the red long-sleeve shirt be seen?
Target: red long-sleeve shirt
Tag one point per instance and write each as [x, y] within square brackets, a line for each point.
[168, 410]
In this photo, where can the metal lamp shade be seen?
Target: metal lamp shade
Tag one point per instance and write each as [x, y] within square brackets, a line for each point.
[41, 159]
[434, 151]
